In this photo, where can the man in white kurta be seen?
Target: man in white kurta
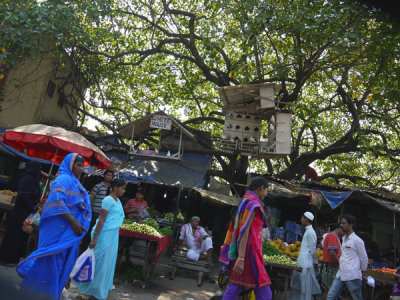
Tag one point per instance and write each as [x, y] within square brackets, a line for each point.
[197, 240]
[304, 284]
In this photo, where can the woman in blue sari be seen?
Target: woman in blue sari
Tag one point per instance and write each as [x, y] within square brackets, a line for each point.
[66, 215]
[105, 236]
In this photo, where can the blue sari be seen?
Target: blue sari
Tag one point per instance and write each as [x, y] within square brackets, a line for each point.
[47, 269]
[105, 252]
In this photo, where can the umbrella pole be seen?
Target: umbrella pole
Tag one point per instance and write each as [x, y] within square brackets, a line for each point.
[394, 241]
[48, 178]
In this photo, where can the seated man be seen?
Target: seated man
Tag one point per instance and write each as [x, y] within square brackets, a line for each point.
[197, 240]
[136, 208]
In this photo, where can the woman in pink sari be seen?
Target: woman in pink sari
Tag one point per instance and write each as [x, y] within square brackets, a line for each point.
[242, 250]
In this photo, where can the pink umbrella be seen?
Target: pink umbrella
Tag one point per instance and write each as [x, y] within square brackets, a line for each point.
[53, 144]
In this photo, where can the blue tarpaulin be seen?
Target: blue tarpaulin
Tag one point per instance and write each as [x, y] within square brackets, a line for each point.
[333, 199]
[188, 173]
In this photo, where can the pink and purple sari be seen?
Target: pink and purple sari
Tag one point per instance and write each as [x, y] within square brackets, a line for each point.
[254, 274]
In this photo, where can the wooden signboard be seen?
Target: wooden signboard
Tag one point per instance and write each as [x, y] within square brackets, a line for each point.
[162, 122]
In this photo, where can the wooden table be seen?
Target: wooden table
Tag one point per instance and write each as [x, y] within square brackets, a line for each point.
[179, 260]
[148, 249]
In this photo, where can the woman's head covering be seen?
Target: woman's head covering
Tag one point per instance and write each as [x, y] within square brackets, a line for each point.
[30, 178]
[66, 191]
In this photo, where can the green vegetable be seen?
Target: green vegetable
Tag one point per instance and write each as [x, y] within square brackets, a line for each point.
[151, 222]
[280, 259]
[268, 249]
[169, 217]
[166, 231]
[141, 228]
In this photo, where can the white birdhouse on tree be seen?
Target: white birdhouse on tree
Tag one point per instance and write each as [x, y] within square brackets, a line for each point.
[254, 126]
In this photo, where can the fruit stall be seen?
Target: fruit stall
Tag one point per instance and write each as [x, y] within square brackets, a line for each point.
[384, 280]
[279, 266]
[281, 260]
[143, 241]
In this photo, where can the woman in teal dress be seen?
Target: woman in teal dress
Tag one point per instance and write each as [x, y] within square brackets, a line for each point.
[105, 243]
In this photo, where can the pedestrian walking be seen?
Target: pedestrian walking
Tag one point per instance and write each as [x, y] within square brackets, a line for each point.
[66, 215]
[105, 236]
[331, 255]
[242, 249]
[353, 261]
[304, 284]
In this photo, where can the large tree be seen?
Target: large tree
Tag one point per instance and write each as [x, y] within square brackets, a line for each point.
[337, 63]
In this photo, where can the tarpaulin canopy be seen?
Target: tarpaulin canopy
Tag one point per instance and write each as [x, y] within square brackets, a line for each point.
[188, 173]
[319, 197]
[218, 199]
[333, 199]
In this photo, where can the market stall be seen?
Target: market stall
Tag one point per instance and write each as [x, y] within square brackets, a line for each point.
[384, 281]
[144, 243]
[280, 275]
[7, 199]
[280, 265]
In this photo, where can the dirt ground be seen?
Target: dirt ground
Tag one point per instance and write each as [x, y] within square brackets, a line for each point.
[183, 287]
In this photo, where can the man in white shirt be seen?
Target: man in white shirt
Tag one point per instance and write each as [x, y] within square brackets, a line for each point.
[353, 261]
[305, 284]
[197, 240]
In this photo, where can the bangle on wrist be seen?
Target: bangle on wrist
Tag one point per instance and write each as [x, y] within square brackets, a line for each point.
[240, 258]
[96, 233]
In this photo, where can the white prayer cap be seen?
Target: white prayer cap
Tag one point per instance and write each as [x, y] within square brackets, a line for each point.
[309, 215]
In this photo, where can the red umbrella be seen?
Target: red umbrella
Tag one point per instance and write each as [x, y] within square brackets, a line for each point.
[53, 144]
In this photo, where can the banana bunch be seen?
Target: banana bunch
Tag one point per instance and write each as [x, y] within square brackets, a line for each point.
[280, 259]
[141, 228]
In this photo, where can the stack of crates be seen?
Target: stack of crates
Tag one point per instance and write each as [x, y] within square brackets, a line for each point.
[279, 233]
[293, 231]
[273, 215]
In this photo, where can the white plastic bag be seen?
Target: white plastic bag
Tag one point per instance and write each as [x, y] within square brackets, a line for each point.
[143, 213]
[83, 270]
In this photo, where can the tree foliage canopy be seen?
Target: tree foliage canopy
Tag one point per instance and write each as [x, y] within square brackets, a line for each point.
[336, 61]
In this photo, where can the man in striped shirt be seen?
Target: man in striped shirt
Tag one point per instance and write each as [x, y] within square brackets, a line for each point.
[99, 192]
[137, 207]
